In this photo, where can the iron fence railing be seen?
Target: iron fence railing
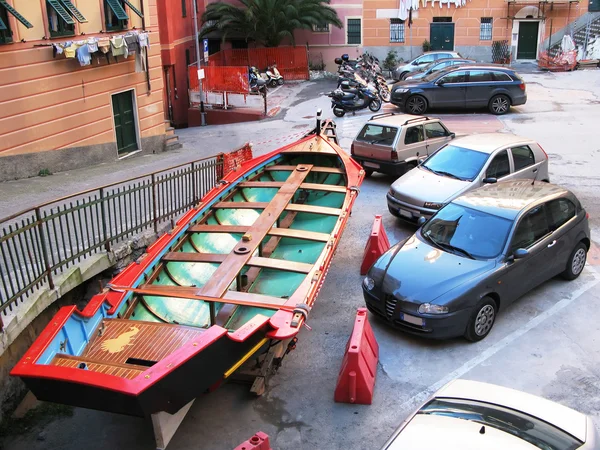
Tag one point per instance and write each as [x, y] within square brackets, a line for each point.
[39, 243]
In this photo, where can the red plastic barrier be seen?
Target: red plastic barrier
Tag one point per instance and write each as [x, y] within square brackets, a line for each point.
[260, 441]
[220, 79]
[356, 381]
[377, 245]
[233, 160]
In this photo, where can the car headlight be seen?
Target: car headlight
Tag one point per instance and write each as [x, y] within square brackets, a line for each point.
[428, 308]
[368, 283]
[401, 90]
[433, 205]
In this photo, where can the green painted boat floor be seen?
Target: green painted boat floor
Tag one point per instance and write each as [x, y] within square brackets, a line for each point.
[270, 282]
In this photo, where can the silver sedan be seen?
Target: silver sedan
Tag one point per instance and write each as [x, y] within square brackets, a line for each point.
[462, 165]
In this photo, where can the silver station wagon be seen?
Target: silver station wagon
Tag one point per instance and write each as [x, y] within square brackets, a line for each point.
[462, 165]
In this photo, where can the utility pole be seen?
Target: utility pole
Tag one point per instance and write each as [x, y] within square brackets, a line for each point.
[202, 113]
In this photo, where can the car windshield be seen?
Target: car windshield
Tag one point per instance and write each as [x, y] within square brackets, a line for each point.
[537, 432]
[456, 162]
[377, 134]
[467, 232]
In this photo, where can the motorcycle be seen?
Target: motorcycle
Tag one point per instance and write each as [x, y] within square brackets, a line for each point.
[275, 77]
[354, 100]
[364, 72]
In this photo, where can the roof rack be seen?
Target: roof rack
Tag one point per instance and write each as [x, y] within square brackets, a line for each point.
[379, 116]
[416, 119]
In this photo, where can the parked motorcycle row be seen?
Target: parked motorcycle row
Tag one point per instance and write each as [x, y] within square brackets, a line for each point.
[260, 81]
[360, 85]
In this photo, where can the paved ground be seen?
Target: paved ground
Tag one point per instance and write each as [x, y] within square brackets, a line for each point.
[547, 343]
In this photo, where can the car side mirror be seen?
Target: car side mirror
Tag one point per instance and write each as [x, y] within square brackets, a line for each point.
[452, 135]
[520, 253]
[421, 221]
[415, 63]
[440, 82]
[490, 180]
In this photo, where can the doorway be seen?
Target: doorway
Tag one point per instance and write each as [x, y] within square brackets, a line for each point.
[124, 118]
[441, 36]
[528, 40]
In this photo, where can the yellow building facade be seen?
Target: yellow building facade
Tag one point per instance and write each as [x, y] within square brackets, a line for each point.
[62, 112]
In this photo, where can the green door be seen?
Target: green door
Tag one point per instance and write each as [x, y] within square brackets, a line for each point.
[594, 5]
[441, 36]
[528, 40]
[124, 122]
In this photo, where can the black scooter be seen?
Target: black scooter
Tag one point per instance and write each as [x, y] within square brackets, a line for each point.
[354, 100]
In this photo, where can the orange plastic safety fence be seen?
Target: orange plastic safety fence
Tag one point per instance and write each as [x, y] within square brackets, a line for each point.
[221, 79]
[292, 62]
[233, 160]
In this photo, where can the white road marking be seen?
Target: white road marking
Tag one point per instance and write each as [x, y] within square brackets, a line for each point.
[419, 398]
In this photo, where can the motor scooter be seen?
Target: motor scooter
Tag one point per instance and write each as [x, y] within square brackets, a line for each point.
[275, 77]
[354, 100]
[256, 82]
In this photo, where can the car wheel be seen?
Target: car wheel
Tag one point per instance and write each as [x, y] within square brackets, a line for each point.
[576, 262]
[416, 105]
[403, 75]
[482, 320]
[338, 112]
[375, 105]
[499, 104]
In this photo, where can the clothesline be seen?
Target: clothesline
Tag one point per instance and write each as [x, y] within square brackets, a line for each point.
[132, 42]
[405, 6]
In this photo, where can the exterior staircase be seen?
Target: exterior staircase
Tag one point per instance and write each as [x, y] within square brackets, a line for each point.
[171, 139]
[585, 32]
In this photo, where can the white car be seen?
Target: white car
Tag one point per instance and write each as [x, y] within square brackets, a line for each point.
[470, 415]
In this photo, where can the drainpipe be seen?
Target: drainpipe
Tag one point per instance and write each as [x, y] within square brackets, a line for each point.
[149, 88]
[202, 113]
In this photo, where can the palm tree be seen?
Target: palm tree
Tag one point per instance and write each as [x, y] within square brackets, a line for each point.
[268, 22]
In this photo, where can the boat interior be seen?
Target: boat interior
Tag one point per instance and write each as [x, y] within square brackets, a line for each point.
[246, 255]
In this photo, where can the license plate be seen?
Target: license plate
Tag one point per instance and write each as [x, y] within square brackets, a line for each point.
[412, 319]
[405, 213]
[372, 165]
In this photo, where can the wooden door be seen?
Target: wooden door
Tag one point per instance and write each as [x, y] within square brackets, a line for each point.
[528, 40]
[124, 118]
[441, 36]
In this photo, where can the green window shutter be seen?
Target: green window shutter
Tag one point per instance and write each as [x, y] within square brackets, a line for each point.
[133, 8]
[74, 11]
[14, 12]
[3, 25]
[61, 11]
[116, 7]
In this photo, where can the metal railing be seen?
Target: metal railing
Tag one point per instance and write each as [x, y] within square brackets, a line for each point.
[38, 243]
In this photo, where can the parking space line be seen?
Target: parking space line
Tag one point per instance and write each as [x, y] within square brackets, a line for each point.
[500, 345]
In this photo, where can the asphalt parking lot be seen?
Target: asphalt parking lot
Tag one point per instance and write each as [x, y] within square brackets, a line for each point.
[547, 343]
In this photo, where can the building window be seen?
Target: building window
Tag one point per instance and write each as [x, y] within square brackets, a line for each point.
[60, 23]
[353, 27]
[485, 32]
[442, 19]
[183, 8]
[396, 30]
[115, 16]
[5, 31]
[321, 28]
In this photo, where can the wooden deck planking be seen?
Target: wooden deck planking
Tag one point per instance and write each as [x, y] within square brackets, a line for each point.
[299, 234]
[151, 341]
[323, 187]
[218, 229]
[108, 369]
[227, 272]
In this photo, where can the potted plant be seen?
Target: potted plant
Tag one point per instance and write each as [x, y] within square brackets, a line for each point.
[426, 46]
